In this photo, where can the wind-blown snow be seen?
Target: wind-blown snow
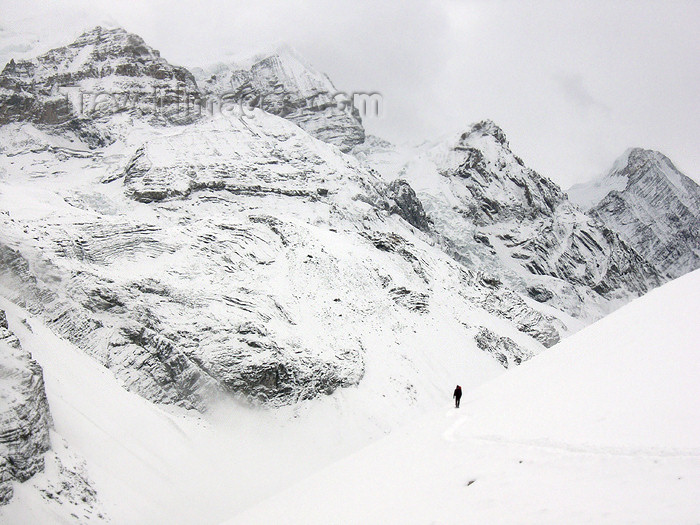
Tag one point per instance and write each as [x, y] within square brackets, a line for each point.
[603, 428]
[588, 194]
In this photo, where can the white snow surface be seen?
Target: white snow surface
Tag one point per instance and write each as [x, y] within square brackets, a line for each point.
[603, 428]
[153, 464]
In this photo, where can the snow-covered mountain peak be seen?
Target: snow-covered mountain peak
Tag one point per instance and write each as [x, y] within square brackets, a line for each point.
[641, 162]
[588, 194]
[97, 53]
[283, 83]
[652, 205]
[108, 70]
[484, 128]
[630, 168]
[111, 36]
[482, 160]
[634, 168]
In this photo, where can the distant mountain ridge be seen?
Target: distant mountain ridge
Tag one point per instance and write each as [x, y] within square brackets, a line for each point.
[650, 204]
[114, 61]
[500, 216]
[284, 84]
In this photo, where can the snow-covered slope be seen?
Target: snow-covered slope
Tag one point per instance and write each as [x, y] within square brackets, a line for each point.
[42, 478]
[234, 254]
[25, 418]
[495, 214]
[283, 83]
[237, 255]
[650, 204]
[152, 463]
[604, 428]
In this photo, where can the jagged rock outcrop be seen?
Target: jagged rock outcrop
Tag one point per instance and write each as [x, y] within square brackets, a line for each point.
[500, 187]
[28, 448]
[103, 72]
[511, 306]
[284, 84]
[408, 205]
[593, 256]
[25, 419]
[504, 349]
[652, 206]
[67, 490]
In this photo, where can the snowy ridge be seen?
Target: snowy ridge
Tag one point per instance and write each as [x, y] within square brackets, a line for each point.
[284, 84]
[495, 214]
[174, 466]
[652, 206]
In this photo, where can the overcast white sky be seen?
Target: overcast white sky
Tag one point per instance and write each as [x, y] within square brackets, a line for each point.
[573, 84]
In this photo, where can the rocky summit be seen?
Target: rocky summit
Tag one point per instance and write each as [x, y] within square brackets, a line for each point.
[103, 71]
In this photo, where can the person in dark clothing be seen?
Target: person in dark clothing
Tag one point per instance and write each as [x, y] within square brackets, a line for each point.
[457, 395]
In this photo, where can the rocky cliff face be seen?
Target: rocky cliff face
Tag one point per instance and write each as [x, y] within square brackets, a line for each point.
[25, 419]
[283, 84]
[104, 71]
[497, 215]
[652, 206]
[231, 256]
[55, 481]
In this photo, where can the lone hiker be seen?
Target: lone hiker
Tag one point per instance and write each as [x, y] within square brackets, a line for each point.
[457, 395]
